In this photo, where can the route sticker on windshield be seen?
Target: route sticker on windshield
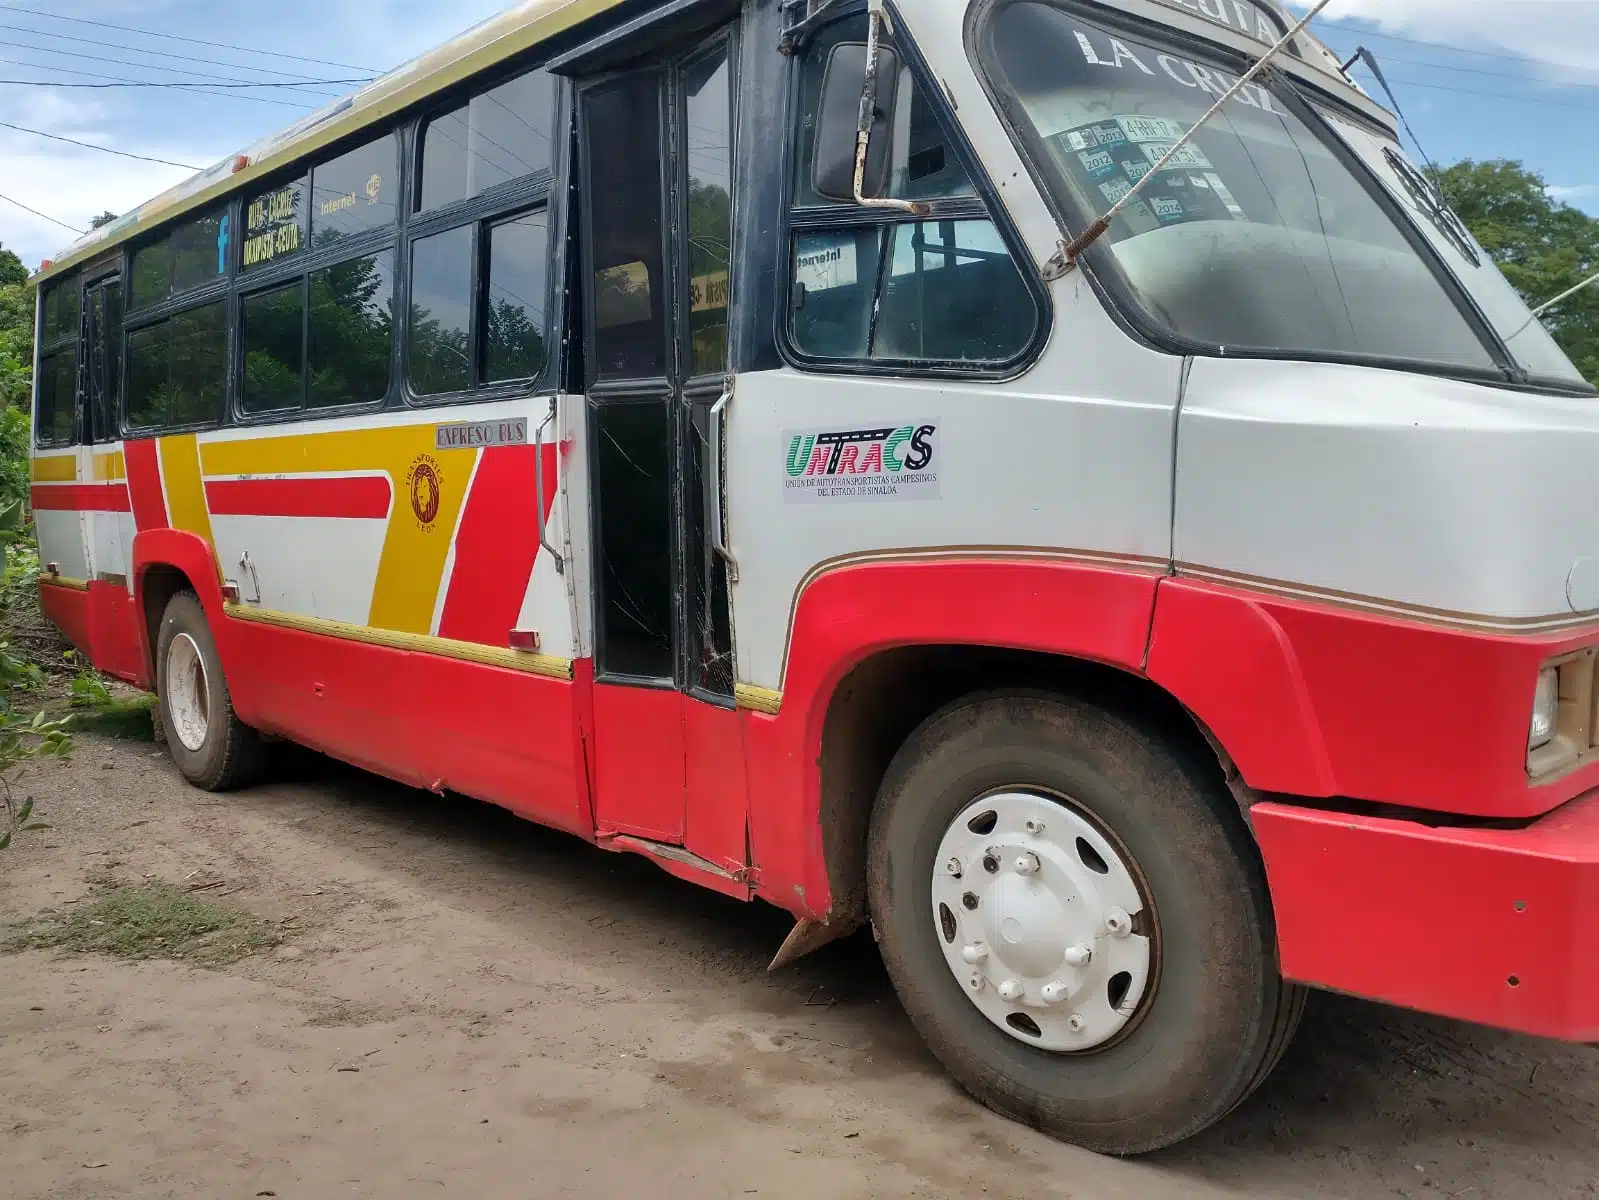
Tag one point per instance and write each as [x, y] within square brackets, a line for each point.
[840, 466]
[823, 262]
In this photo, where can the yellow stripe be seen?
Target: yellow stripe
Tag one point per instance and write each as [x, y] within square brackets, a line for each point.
[411, 569]
[57, 468]
[62, 581]
[110, 468]
[475, 52]
[488, 656]
[758, 699]
[180, 472]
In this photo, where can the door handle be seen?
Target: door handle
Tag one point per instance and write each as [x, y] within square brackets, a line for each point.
[538, 486]
[718, 534]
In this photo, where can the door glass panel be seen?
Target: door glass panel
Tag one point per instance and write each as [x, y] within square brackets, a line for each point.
[709, 142]
[633, 474]
[440, 338]
[105, 362]
[624, 139]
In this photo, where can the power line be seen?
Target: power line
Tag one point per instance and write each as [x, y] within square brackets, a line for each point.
[56, 137]
[204, 76]
[1439, 87]
[155, 83]
[187, 58]
[193, 89]
[34, 12]
[1394, 37]
[43, 216]
[1438, 66]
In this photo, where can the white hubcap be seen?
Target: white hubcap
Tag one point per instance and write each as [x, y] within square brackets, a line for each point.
[188, 693]
[1034, 909]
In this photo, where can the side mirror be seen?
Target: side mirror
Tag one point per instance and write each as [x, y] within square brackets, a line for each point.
[838, 119]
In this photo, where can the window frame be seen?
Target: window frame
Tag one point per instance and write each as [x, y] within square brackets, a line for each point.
[983, 205]
[504, 202]
[44, 350]
[300, 267]
[227, 210]
[192, 302]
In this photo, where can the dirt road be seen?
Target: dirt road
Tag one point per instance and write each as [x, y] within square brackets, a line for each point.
[466, 1005]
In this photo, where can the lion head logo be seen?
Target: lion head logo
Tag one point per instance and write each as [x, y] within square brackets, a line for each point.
[426, 484]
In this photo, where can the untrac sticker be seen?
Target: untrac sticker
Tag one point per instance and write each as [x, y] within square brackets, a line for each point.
[891, 463]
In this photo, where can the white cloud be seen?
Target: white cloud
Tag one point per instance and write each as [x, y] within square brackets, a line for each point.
[1562, 35]
[1573, 193]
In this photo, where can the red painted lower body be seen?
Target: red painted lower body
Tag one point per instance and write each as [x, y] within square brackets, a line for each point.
[68, 609]
[1499, 927]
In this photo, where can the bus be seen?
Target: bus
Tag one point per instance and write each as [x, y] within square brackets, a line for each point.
[611, 417]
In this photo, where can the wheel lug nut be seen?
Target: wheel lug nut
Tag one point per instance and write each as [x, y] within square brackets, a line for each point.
[1054, 992]
[990, 862]
[1076, 1023]
[953, 867]
[970, 901]
[975, 953]
[1035, 827]
[1027, 864]
[1078, 956]
[1118, 923]
[1012, 989]
[977, 981]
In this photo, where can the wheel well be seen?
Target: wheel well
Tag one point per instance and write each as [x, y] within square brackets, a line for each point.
[160, 584]
[880, 703]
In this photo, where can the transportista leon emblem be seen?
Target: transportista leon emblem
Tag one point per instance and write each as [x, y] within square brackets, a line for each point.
[898, 462]
[426, 484]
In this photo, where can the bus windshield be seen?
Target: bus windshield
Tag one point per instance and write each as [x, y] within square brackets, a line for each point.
[1258, 238]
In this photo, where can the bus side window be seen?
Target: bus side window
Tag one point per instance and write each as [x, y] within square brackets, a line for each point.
[887, 289]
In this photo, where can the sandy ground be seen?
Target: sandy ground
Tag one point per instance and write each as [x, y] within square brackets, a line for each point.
[468, 1005]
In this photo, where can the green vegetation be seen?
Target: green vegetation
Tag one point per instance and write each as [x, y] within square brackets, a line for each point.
[1542, 246]
[155, 920]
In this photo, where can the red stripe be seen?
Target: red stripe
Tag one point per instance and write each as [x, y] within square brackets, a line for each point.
[364, 496]
[144, 484]
[496, 545]
[81, 497]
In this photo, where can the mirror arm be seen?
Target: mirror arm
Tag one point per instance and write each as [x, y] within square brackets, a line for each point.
[863, 135]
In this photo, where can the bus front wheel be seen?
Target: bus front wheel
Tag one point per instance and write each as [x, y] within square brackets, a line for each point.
[212, 747]
[1076, 921]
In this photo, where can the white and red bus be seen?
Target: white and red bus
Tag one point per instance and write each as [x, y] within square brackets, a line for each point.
[1135, 638]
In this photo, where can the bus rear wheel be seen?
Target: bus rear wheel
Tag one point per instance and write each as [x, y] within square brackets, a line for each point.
[1076, 921]
[212, 747]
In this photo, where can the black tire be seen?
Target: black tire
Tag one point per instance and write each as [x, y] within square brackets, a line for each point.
[231, 755]
[1219, 1014]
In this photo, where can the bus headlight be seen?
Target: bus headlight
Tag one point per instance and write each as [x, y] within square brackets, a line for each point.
[1545, 709]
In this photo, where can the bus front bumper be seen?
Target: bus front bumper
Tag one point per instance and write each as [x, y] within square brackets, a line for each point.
[1499, 927]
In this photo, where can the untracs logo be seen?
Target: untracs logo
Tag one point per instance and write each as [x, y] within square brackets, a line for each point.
[425, 482]
[893, 463]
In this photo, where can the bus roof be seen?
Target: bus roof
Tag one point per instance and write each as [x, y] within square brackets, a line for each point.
[520, 27]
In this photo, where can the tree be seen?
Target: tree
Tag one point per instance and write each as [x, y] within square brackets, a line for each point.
[103, 219]
[11, 269]
[1542, 245]
[16, 332]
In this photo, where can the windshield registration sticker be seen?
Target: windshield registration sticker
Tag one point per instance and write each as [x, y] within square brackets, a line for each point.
[1191, 157]
[1151, 129]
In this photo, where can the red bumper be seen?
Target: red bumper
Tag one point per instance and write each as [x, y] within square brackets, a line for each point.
[1495, 926]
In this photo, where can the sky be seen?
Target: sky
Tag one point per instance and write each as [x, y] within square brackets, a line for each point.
[1477, 79]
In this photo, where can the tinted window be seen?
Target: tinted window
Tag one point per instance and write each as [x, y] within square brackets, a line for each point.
[58, 392]
[149, 373]
[152, 274]
[273, 333]
[190, 256]
[355, 192]
[351, 332]
[199, 365]
[518, 274]
[629, 275]
[710, 209]
[61, 310]
[274, 224]
[105, 359]
[501, 135]
[439, 343]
